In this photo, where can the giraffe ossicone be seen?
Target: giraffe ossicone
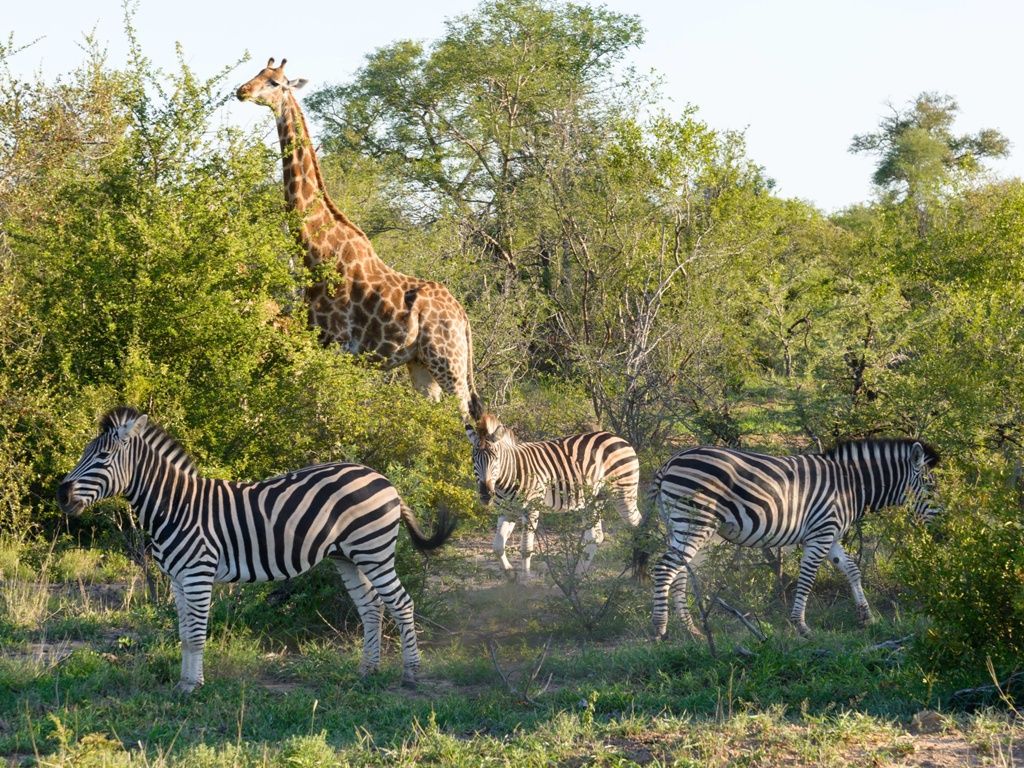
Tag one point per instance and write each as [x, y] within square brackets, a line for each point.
[374, 309]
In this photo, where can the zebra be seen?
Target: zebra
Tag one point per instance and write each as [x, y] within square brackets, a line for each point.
[756, 500]
[558, 474]
[205, 530]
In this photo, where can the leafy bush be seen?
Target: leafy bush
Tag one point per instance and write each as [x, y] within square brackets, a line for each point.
[967, 572]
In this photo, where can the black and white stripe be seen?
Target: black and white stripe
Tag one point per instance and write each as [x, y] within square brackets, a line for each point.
[559, 474]
[206, 530]
[768, 501]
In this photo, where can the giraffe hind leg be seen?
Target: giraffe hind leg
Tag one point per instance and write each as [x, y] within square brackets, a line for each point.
[424, 382]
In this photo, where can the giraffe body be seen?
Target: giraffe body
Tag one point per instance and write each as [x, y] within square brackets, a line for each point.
[360, 303]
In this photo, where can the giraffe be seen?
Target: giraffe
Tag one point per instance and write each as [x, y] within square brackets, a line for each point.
[364, 305]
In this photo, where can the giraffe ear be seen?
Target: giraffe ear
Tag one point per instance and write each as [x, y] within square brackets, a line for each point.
[297, 83]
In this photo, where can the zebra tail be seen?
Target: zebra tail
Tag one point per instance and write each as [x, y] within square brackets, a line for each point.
[646, 536]
[445, 526]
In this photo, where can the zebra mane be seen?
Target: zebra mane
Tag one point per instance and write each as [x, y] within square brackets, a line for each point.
[931, 454]
[168, 446]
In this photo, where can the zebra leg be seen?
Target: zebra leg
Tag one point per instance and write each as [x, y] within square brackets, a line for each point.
[626, 505]
[501, 537]
[679, 596]
[592, 538]
[530, 521]
[664, 572]
[384, 579]
[848, 566]
[371, 612]
[814, 553]
[192, 600]
[685, 538]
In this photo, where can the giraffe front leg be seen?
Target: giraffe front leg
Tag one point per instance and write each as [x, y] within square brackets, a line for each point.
[529, 534]
[814, 553]
[592, 538]
[848, 566]
[192, 601]
[501, 537]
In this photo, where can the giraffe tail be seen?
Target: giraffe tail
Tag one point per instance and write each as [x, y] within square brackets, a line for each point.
[476, 405]
[443, 530]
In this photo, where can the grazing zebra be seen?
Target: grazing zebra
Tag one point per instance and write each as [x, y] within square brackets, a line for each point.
[206, 530]
[556, 473]
[769, 501]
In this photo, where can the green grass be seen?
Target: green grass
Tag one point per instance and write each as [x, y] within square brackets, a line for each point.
[92, 685]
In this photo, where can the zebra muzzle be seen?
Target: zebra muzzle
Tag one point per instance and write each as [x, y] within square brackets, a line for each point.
[69, 504]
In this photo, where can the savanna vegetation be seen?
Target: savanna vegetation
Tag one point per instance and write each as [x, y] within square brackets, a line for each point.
[624, 265]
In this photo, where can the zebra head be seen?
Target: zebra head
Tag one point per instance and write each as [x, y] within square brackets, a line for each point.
[488, 439]
[921, 482]
[106, 464]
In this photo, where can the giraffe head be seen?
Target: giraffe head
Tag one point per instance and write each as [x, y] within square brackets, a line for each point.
[270, 87]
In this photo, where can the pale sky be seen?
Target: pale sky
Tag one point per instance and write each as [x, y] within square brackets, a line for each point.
[799, 76]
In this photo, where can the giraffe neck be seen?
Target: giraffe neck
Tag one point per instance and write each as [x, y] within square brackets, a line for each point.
[325, 229]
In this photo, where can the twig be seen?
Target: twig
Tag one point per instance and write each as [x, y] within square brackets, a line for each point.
[521, 693]
[427, 620]
[754, 629]
[703, 611]
[890, 645]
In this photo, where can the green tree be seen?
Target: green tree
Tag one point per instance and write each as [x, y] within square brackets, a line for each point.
[919, 155]
[149, 262]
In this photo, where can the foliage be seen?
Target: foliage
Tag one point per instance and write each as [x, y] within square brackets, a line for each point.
[159, 272]
[968, 574]
[624, 267]
[918, 151]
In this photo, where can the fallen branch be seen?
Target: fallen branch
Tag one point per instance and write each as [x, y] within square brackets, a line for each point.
[1008, 691]
[896, 644]
[704, 611]
[754, 629]
[522, 691]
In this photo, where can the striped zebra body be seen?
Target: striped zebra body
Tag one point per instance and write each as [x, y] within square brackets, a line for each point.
[756, 500]
[205, 530]
[559, 475]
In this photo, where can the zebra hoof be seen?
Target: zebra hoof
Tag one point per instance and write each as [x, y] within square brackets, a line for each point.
[409, 682]
[696, 634]
[510, 575]
[365, 670]
[185, 687]
[803, 630]
[864, 616]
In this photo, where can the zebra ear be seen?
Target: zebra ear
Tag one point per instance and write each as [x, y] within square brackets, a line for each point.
[473, 437]
[917, 455]
[489, 428]
[131, 428]
[297, 83]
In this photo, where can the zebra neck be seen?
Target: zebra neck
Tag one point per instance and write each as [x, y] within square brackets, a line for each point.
[160, 492]
[877, 479]
[508, 468]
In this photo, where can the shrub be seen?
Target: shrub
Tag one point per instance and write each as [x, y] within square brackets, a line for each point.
[967, 572]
